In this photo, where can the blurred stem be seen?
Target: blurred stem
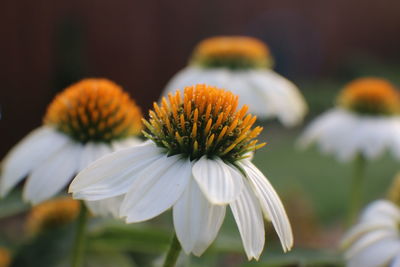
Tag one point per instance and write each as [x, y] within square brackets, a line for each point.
[357, 188]
[173, 253]
[79, 244]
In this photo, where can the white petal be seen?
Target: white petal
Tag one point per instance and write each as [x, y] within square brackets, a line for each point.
[113, 174]
[368, 239]
[106, 207]
[156, 189]
[125, 143]
[381, 211]
[396, 261]
[380, 253]
[53, 175]
[270, 204]
[359, 230]
[196, 220]
[217, 181]
[92, 152]
[248, 216]
[36, 147]
[277, 91]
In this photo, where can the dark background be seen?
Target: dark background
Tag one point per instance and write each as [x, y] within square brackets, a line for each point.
[47, 44]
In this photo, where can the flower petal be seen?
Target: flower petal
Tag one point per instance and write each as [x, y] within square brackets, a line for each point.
[217, 181]
[248, 216]
[92, 152]
[156, 189]
[196, 220]
[106, 207]
[368, 239]
[378, 254]
[35, 148]
[53, 175]
[361, 229]
[270, 204]
[125, 143]
[113, 174]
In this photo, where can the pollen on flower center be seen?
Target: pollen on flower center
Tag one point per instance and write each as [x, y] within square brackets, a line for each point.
[5, 257]
[51, 214]
[370, 96]
[234, 52]
[95, 110]
[203, 121]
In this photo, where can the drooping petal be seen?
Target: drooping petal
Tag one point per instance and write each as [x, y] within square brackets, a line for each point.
[248, 216]
[217, 181]
[113, 174]
[35, 148]
[368, 239]
[106, 207]
[368, 226]
[92, 152]
[381, 211]
[156, 189]
[54, 174]
[378, 254]
[270, 203]
[280, 93]
[196, 220]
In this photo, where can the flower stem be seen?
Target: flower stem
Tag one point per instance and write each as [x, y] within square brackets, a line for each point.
[79, 243]
[173, 253]
[357, 188]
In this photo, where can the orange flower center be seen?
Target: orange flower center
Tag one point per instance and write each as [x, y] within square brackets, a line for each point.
[52, 214]
[371, 96]
[203, 121]
[95, 110]
[234, 52]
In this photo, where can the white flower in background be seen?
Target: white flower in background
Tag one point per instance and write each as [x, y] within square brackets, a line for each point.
[85, 122]
[374, 241]
[196, 162]
[242, 64]
[365, 122]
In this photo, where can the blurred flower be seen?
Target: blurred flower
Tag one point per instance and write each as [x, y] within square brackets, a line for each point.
[374, 241]
[243, 64]
[52, 214]
[84, 122]
[5, 257]
[196, 162]
[365, 122]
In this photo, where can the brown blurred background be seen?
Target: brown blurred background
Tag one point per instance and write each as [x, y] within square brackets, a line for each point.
[46, 44]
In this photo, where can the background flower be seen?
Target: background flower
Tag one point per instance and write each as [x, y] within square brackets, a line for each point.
[242, 64]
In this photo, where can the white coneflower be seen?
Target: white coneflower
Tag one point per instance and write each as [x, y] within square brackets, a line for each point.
[365, 124]
[374, 241]
[243, 64]
[195, 162]
[85, 122]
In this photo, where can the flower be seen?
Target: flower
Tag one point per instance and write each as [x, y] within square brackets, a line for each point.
[84, 122]
[52, 213]
[366, 121]
[374, 241]
[5, 257]
[243, 65]
[195, 162]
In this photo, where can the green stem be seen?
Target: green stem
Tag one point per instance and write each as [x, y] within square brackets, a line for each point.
[357, 188]
[79, 244]
[173, 253]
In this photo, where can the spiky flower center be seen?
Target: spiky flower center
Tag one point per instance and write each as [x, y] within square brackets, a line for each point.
[95, 110]
[52, 214]
[370, 96]
[233, 52]
[203, 121]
